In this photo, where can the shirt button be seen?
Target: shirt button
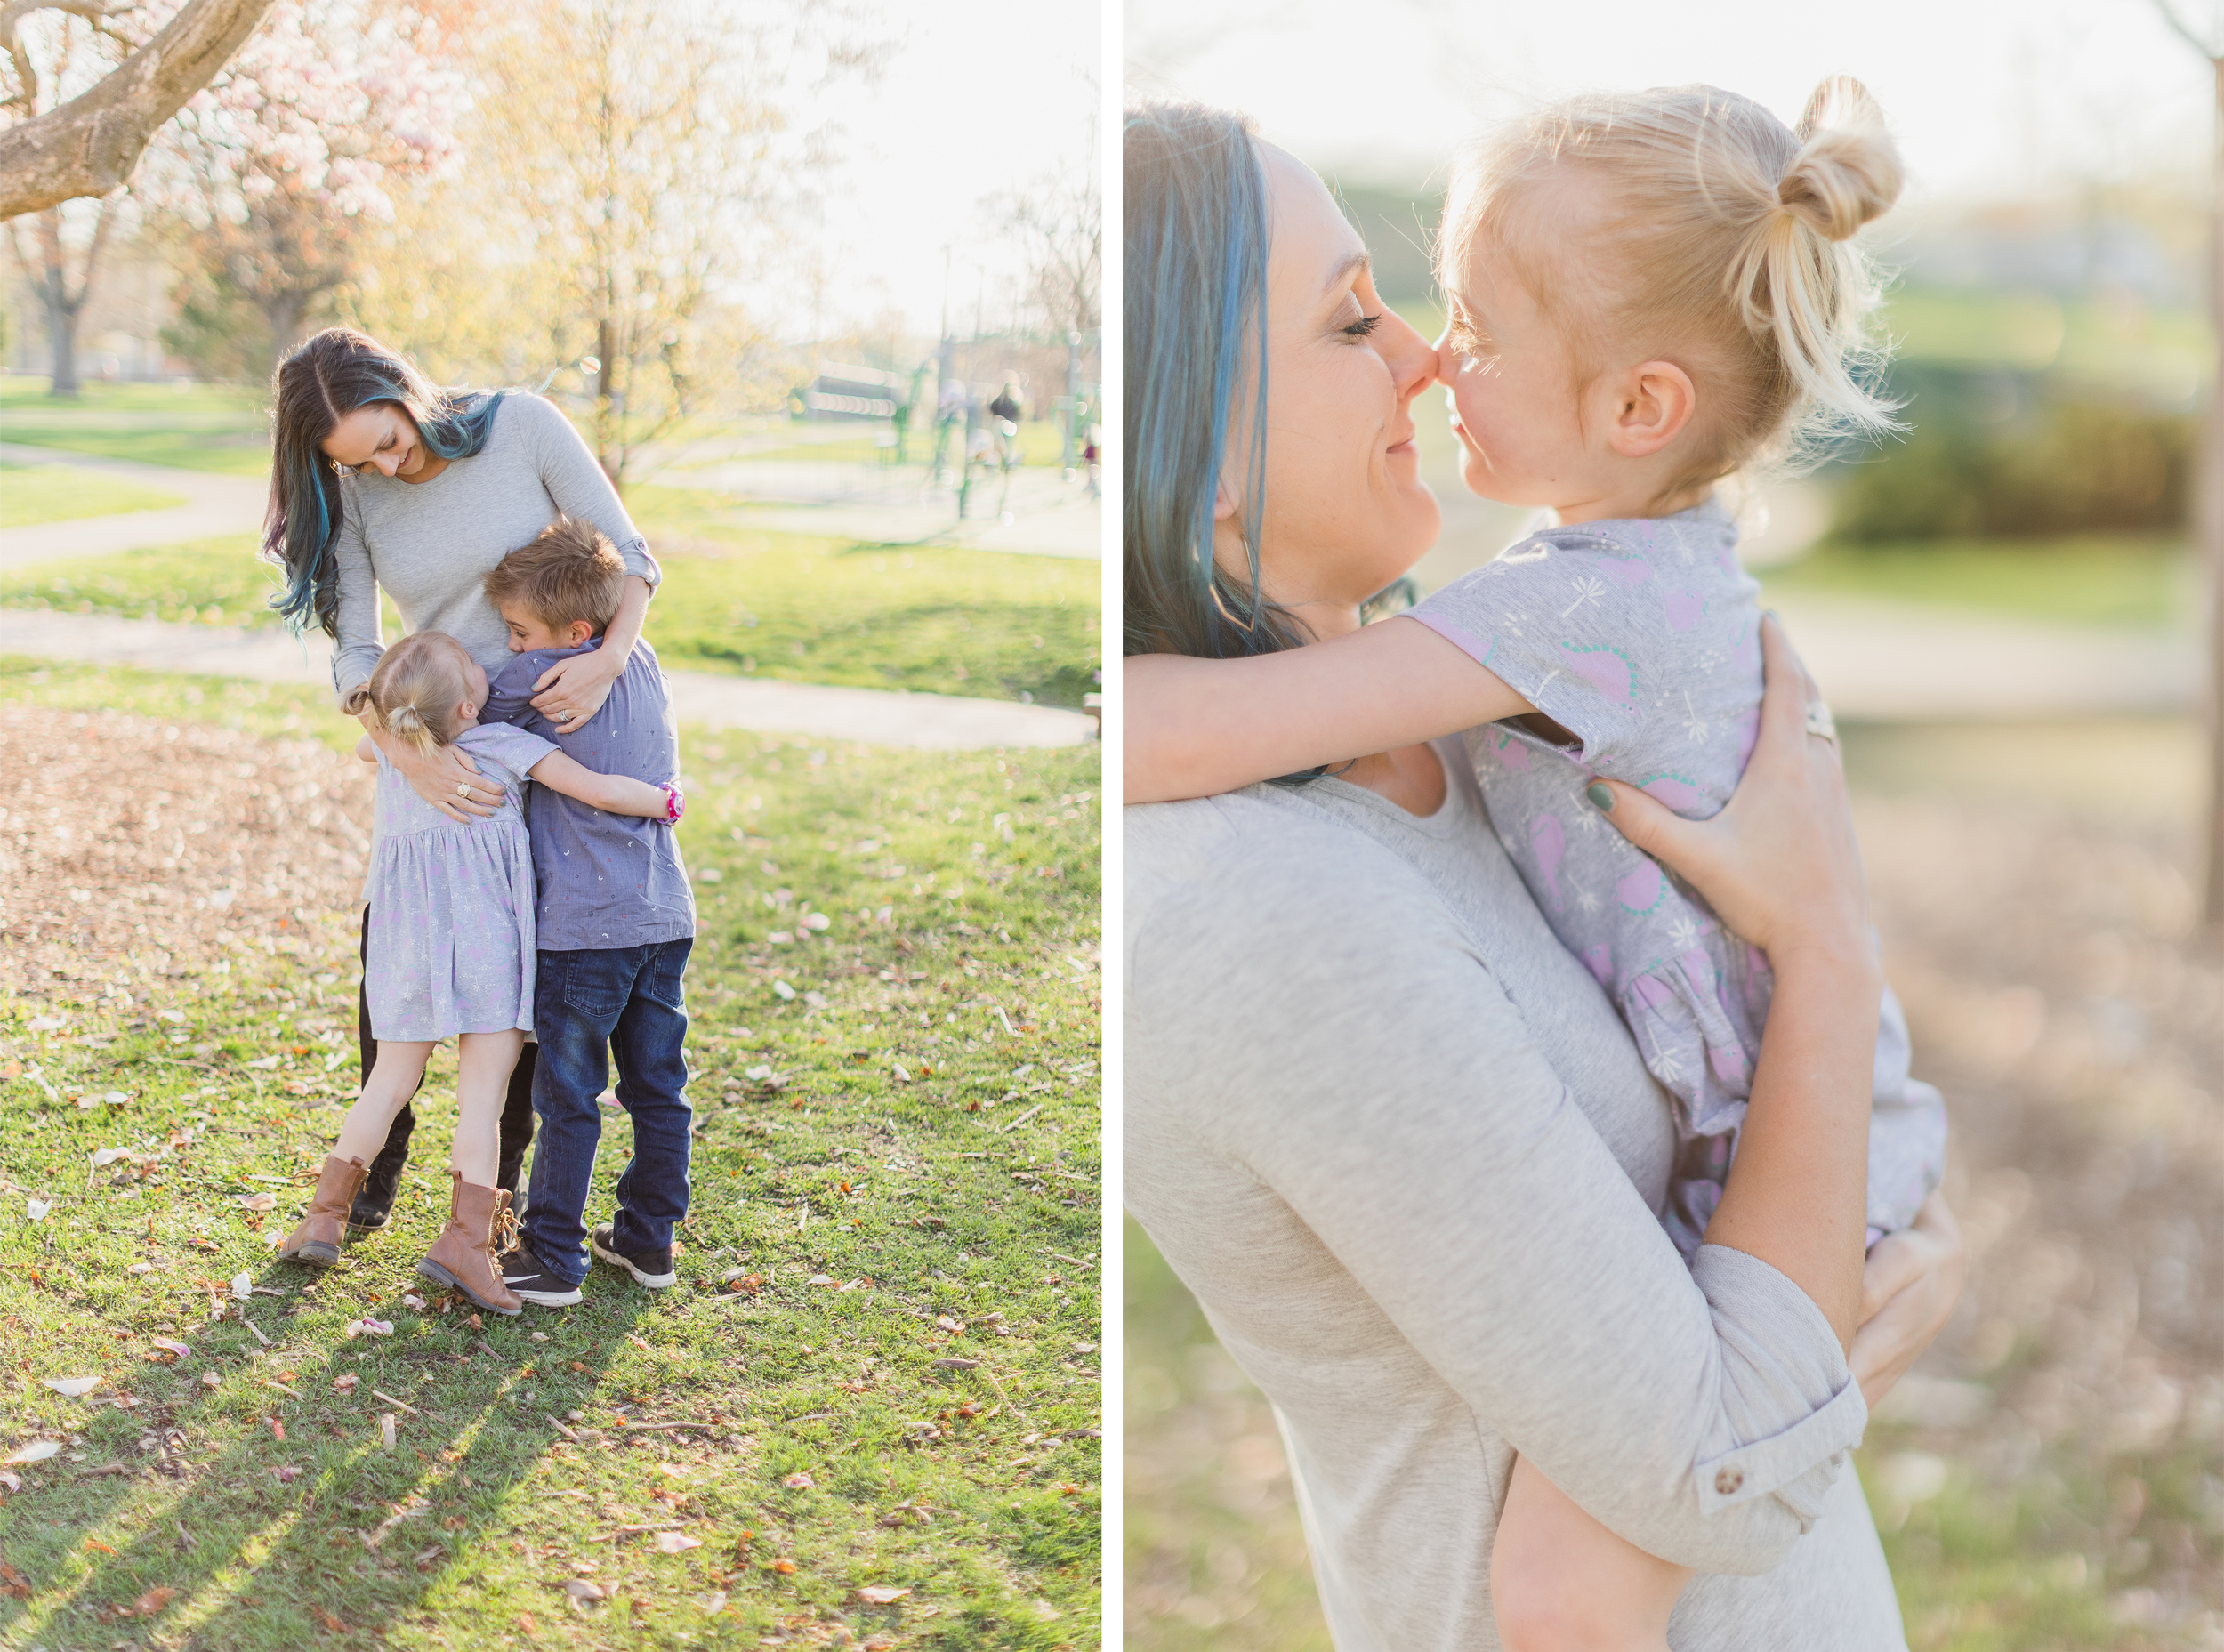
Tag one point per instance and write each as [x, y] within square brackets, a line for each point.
[1727, 1481]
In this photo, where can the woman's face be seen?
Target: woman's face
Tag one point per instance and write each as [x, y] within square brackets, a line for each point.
[377, 437]
[1346, 510]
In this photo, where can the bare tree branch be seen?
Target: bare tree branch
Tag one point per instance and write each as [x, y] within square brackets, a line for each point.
[2210, 48]
[91, 143]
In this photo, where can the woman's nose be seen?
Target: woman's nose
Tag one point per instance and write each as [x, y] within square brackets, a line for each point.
[1412, 358]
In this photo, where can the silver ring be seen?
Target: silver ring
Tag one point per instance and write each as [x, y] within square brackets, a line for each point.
[1820, 722]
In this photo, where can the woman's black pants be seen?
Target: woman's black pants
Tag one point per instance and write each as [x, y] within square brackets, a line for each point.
[385, 1170]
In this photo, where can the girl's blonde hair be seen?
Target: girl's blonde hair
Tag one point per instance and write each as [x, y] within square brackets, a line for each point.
[1725, 242]
[417, 689]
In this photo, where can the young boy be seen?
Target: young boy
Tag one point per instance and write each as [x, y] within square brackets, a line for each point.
[615, 921]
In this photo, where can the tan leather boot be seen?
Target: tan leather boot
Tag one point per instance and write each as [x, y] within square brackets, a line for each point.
[463, 1258]
[317, 1241]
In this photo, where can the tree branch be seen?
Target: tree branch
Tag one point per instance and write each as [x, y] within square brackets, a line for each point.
[2211, 50]
[91, 143]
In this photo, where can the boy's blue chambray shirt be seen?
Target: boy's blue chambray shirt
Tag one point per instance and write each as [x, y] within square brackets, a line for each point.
[606, 880]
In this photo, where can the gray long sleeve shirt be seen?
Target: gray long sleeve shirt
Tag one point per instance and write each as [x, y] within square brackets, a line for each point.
[1395, 1138]
[430, 544]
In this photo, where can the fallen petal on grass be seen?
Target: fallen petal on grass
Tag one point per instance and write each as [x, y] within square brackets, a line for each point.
[70, 1388]
[38, 1451]
[674, 1542]
[877, 1595]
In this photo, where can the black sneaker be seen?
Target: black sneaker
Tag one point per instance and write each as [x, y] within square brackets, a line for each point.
[652, 1268]
[526, 1274]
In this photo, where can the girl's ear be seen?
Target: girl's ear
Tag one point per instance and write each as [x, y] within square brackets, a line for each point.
[1656, 402]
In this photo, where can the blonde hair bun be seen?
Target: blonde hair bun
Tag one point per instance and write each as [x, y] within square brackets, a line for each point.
[1847, 172]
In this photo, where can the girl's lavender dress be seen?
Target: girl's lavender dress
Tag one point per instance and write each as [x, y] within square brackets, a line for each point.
[451, 907]
[1641, 639]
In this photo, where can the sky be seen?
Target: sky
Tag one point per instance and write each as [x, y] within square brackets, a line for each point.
[1987, 97]
[970, 102]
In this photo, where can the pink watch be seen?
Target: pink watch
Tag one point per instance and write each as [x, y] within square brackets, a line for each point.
[675, 802]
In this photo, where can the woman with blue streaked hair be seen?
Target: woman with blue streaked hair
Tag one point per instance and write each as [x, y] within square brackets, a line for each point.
[380, 481]
[1392, 1135]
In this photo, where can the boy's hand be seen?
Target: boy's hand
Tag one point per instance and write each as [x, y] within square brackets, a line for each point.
[570, 692]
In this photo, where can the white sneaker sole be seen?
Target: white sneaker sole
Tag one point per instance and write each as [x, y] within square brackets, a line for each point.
[654, 1281]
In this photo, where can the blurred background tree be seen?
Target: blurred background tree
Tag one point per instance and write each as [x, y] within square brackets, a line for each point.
[273, 178]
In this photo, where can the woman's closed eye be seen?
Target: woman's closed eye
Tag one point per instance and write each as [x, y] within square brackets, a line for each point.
[1364, 326]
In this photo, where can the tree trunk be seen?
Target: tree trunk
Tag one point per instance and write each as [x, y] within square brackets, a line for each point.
[2209, 526]
[61, 334]
[284, 313]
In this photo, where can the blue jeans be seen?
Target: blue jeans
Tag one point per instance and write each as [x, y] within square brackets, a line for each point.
[630, 1002]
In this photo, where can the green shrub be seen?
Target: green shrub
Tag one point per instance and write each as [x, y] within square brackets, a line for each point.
[2060, 463]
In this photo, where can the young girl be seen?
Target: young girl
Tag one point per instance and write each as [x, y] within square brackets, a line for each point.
[1648, 294]
[451, 948]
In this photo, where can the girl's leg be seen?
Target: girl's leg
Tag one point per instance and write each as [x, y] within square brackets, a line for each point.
[516, 1120]
[1559, 1581]
[464, 1255]
[393, 1080]
[375, 1200]
[484, 1062]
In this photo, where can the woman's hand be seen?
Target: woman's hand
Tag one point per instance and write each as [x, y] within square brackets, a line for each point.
[1908, 1289]
[448, 779]
[570, 692]
[1780, 864]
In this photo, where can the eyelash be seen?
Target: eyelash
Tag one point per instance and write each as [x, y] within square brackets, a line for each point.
[1364, 325]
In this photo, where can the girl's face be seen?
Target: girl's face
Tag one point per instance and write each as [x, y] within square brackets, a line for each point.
[1514, 403]
[378, 437]
[1346, 510]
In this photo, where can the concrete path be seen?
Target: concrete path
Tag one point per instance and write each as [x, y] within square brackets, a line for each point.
[1895, 662]
[943, 722]
[217, 505]
[878, 504]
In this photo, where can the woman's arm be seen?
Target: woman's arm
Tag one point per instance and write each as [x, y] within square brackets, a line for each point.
[1780, 866]
[448, 779]
[571, 691]
[1198, 727]
[614, 793]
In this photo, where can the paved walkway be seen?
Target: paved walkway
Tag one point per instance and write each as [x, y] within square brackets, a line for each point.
[943, 722]
[218, 505]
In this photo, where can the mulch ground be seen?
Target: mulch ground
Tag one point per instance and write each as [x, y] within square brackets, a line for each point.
[133, 850]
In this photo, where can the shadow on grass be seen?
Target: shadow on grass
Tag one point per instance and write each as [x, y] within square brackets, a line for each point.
[360, 1537]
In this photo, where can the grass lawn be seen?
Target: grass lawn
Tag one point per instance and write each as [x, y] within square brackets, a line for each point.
[2148, 581]
[883, 1347]
[199, 427]
[932, 620]
[31, 493]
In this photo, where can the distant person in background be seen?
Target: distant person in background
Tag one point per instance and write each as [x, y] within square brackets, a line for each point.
[1005, 411]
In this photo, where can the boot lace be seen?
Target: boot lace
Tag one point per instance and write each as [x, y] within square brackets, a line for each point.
[503, 1235]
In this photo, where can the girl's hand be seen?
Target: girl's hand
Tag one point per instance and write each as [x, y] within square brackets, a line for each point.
[1908, 1289]
[448, 779]
[1780, 864]
[570, 692]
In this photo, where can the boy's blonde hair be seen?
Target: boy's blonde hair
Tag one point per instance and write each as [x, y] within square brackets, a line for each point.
[1726, 243]
[570, 571]
[417, 689]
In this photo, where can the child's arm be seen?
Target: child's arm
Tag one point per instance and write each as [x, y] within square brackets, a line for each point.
[365, 751]
[1195, 727]
[613, 794]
